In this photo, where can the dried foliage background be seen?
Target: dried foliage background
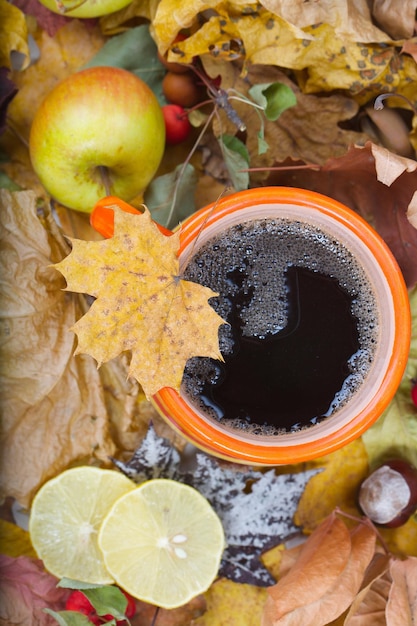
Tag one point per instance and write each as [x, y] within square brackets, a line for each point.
[58, 410]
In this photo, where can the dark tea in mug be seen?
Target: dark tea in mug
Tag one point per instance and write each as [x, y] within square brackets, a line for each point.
[302, 326]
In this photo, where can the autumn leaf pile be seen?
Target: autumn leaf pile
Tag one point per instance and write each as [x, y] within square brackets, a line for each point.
[59, 410]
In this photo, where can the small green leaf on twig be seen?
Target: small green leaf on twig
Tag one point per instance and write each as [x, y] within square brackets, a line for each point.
[170, 197]
[108, 600]
[236, 158]
[69, 618]
[70, 583]
[274, 98]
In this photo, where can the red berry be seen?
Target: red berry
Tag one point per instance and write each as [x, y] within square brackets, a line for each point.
[131, 605]
[414, 393]
[77, 601]
[177, 124]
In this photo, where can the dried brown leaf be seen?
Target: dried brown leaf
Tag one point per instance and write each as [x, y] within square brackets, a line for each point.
[55, 408]
[350, 18]
[401, 607]
[327, 607]
[352, 180]
[398, 24]
[412, 210]
[311, 130]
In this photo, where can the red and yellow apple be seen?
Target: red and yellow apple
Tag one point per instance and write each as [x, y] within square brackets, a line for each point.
[100, 131]
[86, 8]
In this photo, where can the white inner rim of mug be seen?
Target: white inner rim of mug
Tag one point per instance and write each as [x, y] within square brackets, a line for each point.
[385, 340]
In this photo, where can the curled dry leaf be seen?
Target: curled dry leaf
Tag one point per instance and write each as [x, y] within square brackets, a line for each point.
[390, 166]
[56, 409]
[369, 604]
[402, 601]
[142, 304]
[324, 579]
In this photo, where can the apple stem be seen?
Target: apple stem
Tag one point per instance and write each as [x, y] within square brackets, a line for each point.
[105, 179]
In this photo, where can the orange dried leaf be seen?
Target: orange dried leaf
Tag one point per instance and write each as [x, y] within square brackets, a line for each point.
[369, 604]
[142, 304]
[313, 607]
[401, 607]
[313, 573]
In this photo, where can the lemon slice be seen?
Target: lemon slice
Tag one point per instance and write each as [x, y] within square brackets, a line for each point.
[65, 518]
[162, 543]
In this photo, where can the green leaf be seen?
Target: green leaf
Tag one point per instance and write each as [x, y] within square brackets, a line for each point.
[262, 144]
[8, 183]
[170, 198]
[136, 51]
[107, 600]
[70, 583]
[274, 98]
[395, 432]
[236, 158]
[69, 618]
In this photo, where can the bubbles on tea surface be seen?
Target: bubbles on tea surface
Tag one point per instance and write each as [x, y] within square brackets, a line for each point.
[247, 265]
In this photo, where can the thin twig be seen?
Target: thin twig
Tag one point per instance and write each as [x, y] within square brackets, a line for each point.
[155, 616]
[283, 168]
[184, 165]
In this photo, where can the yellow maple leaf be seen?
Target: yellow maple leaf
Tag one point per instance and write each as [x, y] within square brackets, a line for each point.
[142, 304]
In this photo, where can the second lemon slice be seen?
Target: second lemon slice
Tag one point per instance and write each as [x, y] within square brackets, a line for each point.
[162, 542]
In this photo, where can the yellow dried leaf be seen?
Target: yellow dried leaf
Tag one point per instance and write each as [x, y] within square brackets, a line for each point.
[13, 34]
[72, 46]
[337, 485]
[14, 541]
[232, 604]
[142, 303]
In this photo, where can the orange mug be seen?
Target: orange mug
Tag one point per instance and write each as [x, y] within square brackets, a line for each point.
[314, 213]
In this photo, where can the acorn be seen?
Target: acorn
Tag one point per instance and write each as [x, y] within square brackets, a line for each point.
[388, 496]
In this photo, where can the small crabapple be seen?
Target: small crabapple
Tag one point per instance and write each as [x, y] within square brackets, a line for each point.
[182, 89]
[177, 124]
